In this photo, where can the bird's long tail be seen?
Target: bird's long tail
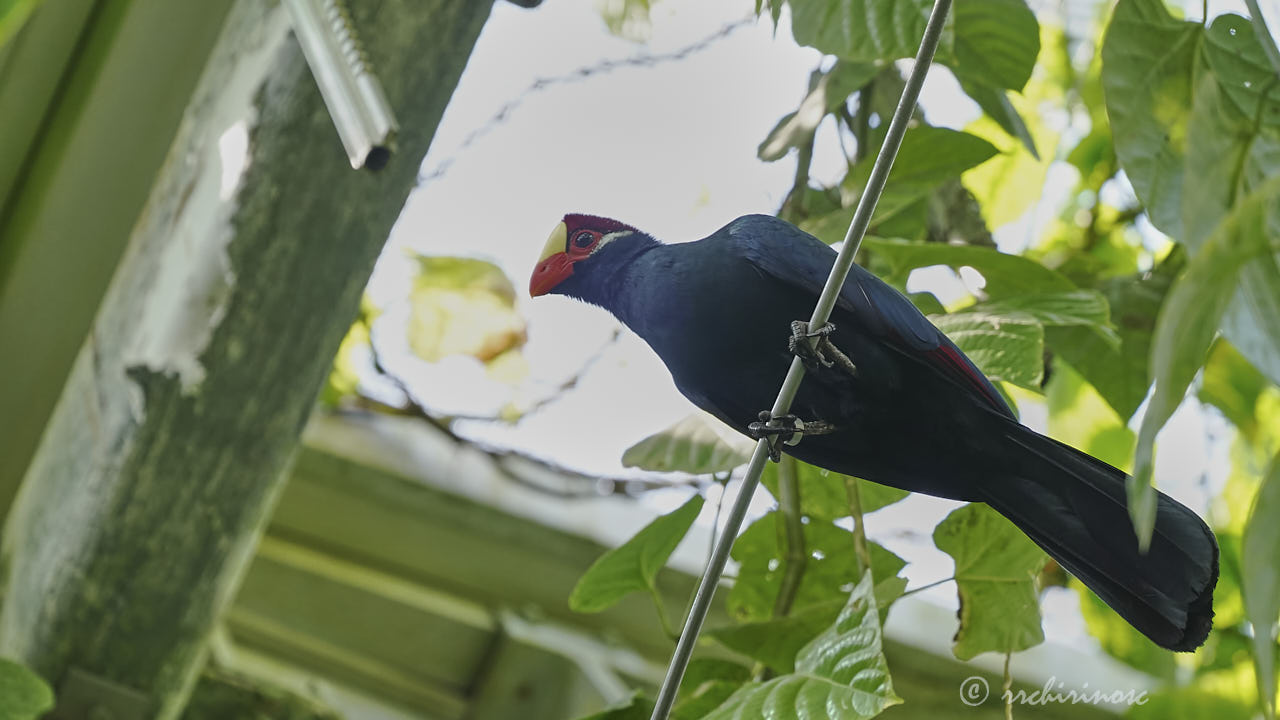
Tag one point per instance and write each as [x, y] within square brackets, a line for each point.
[1073, 505]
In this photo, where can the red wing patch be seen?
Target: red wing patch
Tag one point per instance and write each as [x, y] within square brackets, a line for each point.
[949, 359]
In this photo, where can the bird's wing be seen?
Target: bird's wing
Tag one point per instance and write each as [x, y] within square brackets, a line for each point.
[791, 255]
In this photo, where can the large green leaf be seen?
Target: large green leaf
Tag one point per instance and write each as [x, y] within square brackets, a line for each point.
[929, 156]
[823, 495]
[707, 683]
[1121, 375]
[463, 306]
[1004, 347]
[1005, 274]
[996, 104]
[1188, 322]
[699, 444]
[1147, 62]
[1233, 154]
[996, 42]
[634, 565]
[1261, 575]
[1086, 308]
[831, 569]
[13, 15]
[829, 91]
[865, 30]
[1232, 385]
[23, 694]
[840, 675]
[1240, 65]
[996, 568]
[775, 642]
[636, 707]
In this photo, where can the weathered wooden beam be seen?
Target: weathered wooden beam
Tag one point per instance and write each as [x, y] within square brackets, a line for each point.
[169, 444]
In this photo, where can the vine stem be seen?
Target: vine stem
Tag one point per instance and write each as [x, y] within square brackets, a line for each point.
[1265, 38]
[835, 281]
[796, 555]
[859, 530]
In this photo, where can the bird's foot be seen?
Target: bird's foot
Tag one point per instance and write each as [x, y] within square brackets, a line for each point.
[823, 353]
[789, 426]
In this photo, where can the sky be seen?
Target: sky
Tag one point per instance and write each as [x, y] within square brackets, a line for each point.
[668, 146]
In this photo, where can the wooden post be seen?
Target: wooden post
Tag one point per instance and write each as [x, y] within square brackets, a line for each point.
[169, 444]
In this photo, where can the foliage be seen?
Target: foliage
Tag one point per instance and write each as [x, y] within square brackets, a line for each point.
[13, 15]
[996, 568]
[23, 695]
[634, 565]
[1155, 273]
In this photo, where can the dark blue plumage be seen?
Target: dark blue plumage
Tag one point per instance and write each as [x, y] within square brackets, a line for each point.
[916, 415]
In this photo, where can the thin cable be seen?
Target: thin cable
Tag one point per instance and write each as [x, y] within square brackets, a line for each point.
[826, 301]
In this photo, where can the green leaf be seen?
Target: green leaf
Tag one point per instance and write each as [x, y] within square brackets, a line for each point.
[13, 15]
[1147, 63]
[1120, 640]
[996, 104]
[1005, 274]
[840, 675]
[775, 642]
[1194, 702]
[707, 683]
[1079, 417]
[636, 707]
[23, 694]
[823, 495]
[1231, 156]
[698, 444]
[462, 306]
[1240, 65]
[996, 568]
[1121, 375]
[875, 496]
[1007, 348]
[865, 30]
[628, 19]
[929, 156]
[1066, 308]
[1261, 576]
[830, 90]
[996, 42]
[1188, 322]
[1232, 385]
[830, 571]
[634, 565]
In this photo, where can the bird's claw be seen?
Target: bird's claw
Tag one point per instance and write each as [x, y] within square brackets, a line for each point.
[823, 353]
[785, 425]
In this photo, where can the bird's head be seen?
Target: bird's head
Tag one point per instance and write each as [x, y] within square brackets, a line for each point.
[575, 245]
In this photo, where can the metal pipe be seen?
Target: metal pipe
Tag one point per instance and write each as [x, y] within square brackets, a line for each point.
[359, 108]
[826, 301]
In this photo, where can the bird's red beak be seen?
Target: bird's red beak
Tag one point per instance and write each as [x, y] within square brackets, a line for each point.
[554, 265]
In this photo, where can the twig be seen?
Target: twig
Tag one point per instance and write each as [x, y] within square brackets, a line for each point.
[796, 557]
[859, 530]
[1008, 688]
[926, 586]
[826, 301]
[662, 614]
[581, 73]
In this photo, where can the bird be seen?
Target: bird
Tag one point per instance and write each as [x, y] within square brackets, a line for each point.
[893, 399]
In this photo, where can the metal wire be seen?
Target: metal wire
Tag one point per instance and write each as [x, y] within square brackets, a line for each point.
[826, 301]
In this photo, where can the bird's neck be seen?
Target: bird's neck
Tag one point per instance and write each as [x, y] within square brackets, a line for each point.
[610, 282]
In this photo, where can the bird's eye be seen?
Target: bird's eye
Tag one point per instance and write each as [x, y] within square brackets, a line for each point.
[583, 239]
